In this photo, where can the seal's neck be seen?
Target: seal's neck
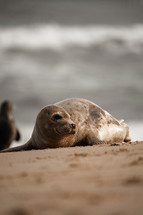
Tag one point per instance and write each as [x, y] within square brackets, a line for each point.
[41, 140]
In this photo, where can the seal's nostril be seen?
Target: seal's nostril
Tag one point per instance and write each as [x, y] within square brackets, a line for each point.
[73, 125]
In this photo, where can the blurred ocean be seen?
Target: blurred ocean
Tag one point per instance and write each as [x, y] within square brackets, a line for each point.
[53, 50]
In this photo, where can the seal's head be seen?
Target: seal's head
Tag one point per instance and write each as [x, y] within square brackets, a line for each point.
[52, 125]
[6, 107]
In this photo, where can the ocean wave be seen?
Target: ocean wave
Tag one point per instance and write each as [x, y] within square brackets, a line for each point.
[55, 37]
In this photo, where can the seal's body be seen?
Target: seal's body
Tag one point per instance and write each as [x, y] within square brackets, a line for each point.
[8, 130]
[74, 122]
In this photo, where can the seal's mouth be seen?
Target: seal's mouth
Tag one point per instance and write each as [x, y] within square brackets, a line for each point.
[72, 132]
[65, 130]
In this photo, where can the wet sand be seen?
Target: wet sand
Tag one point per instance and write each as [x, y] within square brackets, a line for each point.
[100, 179]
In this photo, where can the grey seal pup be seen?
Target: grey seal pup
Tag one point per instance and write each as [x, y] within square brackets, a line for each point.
[8, 129]
[74, 122]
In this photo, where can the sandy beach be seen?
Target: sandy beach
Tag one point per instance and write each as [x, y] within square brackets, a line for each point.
[101, 179]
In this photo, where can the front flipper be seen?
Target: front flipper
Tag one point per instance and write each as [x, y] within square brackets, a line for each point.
[89, 141]
[93, 141]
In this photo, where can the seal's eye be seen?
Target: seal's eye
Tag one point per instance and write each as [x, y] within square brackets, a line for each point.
[57, 117]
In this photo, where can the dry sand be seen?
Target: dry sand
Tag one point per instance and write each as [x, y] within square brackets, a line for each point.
[72, 181]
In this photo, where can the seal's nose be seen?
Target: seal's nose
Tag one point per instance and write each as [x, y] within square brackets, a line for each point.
[73, 125]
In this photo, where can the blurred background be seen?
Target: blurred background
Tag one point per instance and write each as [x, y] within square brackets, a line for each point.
[56, 49]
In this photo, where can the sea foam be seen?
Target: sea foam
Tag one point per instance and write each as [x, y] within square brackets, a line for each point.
[57, 37]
